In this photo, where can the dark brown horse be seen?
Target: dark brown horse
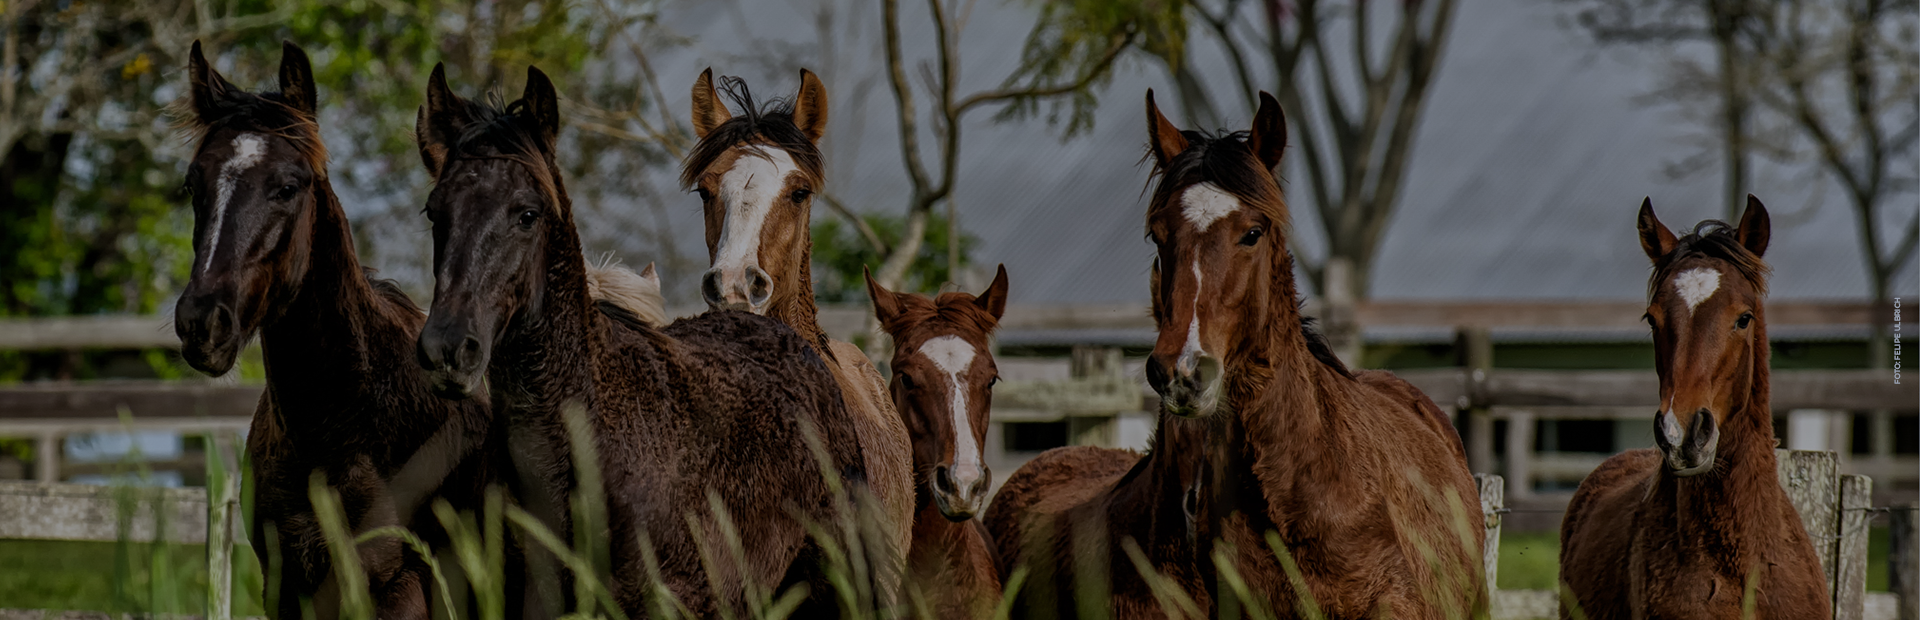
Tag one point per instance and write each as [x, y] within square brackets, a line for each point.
[756, 175]
[273, 254]
[943, 376]
[1070, 516]
[1359, 479]
[1691, 528]
[710, 409]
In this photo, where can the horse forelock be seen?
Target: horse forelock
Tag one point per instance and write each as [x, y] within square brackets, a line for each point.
[505, 133]
[766, 126]
[1716, 240]
[951, 312]
[267, 114]
[1226, 162]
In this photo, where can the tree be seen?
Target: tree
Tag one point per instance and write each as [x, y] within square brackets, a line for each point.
[1086, 58]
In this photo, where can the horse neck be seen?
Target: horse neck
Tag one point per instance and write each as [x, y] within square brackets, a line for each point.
[1274, 384]
[793, 305]
[1736, 499]
[549, 360]
[335, 324]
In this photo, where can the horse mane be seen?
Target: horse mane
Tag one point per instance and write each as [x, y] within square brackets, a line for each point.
[772, 124]
[267, 113]
[507, 132]
[953, 307]
[1717, 240]
[1226, 161]
[1318, 346]
[613, 284]
[390, 290]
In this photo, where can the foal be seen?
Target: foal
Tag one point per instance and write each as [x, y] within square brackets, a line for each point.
[1359, 478]
[756, 175]
[708, 411]
[943, 376]
[273, 254]
[1687, 529]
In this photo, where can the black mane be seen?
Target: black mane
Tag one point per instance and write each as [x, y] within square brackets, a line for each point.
[772, 124]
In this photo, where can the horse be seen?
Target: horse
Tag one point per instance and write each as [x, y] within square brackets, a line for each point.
[1697, 527]
[703, 431]
[274, 255]
[756, 175]
[943, 376]
[1355, 482]
[1070, 514]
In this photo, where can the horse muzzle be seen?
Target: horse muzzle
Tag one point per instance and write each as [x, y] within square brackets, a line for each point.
[1688, 451]
[960, 492]
[453, 358]
[209, 331]
[1191, 388]
[746, 290]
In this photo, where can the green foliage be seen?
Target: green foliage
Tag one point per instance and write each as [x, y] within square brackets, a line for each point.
[1073, 36]
[840, 254]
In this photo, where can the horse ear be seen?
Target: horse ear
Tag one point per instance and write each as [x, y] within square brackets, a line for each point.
[886, 306]
[206, 87]
[708, 112]
[1756, 228]
[810, 107]
[296, 79]
[1655, 239]
[650, 274]
[1268, 139]
[543, 103]
[994, 300]
[1162, 136]
[440, 121]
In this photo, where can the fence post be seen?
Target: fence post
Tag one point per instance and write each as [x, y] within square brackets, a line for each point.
[1492, 500]
[1088, 362]
[1903, 558]
[1475, 346]
[223, 499]
[1811, 480]
[1850, 574]
[46, 458]
[1520, 453]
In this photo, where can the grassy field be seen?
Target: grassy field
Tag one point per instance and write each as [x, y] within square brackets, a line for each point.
[105, 576]
[1531, 561]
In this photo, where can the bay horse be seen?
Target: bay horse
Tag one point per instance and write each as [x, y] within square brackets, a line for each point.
[1690, 528]
[274, 255]
[943, 376]
[756, 175]
[1359, 479]
[714, 410]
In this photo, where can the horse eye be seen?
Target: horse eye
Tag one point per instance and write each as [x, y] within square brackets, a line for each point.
[704, 194]
[906, 381]
[993, 382]
[1252, 237]
[1745, 319]
[285, 192]
[528, 217]
[800, 195]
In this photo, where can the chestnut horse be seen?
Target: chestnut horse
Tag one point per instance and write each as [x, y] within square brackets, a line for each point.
[943, 376]
[756, 175]
[1359, 478]
[274, 255]
[1691, 528]
[713, 410]
[1069, 516]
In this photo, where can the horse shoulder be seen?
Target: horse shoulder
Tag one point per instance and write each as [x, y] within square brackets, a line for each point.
[1596, 534]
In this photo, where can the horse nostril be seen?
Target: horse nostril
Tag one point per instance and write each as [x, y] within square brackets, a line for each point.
[219, 322]
[942, 480]
[710, 288]
[759, 286]
[1206, 370]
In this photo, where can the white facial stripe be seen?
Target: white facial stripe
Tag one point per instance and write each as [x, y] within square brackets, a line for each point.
[1205, 203]
[747, 192]
[1190, 353]
[1696, 285]
[954, 356]
[248, 150]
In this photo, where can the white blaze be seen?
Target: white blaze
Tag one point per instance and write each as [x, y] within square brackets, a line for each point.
[954, 356]
[1190, 353]
[747, 192]
[1206, 203]
[248, 150]
[1696, 285]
